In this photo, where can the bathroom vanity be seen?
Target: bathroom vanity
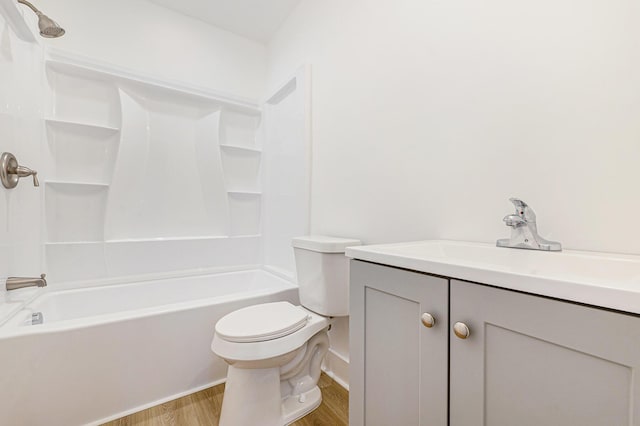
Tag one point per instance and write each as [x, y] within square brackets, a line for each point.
[464, 334]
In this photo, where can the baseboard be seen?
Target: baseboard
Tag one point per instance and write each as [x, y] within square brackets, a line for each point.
[337, 367]
[156, 402]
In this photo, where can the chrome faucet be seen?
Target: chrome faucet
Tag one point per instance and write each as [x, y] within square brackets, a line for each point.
[524, 231]
[14, 283]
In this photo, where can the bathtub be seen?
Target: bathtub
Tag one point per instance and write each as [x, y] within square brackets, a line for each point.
[108, 351]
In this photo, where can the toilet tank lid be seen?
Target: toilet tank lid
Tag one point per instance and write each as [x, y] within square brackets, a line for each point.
[324, 244]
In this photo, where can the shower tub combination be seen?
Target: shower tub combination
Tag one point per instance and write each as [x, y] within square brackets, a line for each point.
[108, 351]
[105, 351]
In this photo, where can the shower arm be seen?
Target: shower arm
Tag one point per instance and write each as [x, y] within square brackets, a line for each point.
[30, 6]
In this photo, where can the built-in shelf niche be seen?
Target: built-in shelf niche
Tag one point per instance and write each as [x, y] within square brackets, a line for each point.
[82, 152]
[232, 148]
[244, 213]
[241, 160]
[75, 211]
[80, 95]
[241, 169]
[238, 128]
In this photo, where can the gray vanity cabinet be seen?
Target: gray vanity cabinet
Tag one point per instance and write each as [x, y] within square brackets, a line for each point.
[527, 360]
[532, 361]
[401, 376]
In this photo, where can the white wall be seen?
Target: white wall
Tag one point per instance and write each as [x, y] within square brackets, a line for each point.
[152, 39]
[428, 116]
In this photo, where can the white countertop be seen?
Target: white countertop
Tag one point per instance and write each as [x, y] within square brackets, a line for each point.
[600, 279]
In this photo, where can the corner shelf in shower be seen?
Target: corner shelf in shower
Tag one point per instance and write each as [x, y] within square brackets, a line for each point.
[72, 243]
[254, 193]
[82, 96]
[78, 124]
[238, 128]
[81, 152]
[241, 167]
[76, 183]
[230, 147]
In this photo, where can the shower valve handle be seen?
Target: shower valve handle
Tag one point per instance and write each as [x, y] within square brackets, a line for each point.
[11, 171]
[22, 171]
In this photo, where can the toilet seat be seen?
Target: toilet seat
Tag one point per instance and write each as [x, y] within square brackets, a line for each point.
[261, 350]
[262, 322]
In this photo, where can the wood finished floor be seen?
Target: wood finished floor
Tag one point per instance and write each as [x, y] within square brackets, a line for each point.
[203, 409]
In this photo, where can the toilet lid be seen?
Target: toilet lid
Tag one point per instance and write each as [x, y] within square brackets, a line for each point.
[263, 322]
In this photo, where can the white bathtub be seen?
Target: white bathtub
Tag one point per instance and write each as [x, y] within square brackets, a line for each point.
[108, 351]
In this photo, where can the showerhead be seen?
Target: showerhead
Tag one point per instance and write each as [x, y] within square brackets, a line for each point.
[48, 27]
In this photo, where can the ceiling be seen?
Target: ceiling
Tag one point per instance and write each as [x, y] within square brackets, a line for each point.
[254, 19]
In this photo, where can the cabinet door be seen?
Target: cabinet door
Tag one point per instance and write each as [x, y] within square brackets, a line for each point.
[532, 361]
[398, 366]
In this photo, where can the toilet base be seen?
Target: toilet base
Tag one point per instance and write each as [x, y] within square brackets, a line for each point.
[277, 395]
[252, 397]
[296, 407]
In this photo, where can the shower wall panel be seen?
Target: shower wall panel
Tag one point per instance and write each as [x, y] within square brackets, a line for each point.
[21, 107]
[287, 170]
[146, 176]
[168, 179]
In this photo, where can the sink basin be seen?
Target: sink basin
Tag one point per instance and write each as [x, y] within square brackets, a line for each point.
[600, 279]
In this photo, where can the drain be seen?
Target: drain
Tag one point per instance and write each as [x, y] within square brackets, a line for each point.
[37, 318]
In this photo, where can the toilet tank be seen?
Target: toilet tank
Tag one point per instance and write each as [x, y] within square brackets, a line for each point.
[323, 273]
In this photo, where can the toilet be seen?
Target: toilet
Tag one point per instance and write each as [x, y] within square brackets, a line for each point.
[275, 350]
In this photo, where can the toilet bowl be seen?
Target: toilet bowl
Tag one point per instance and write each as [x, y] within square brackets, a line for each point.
[275, 350]
[274, 367]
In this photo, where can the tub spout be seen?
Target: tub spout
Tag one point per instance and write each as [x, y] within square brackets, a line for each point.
[14, 283]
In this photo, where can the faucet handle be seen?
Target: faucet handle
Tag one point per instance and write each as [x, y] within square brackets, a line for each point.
[11, 171]
[523, 210]
[518, 202]
[23, 171]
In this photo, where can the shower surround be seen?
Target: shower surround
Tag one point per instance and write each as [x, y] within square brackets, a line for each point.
[166, 175]
[162, 207]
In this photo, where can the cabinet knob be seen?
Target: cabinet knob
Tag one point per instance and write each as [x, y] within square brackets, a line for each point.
[461, 330]
[428, 320]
